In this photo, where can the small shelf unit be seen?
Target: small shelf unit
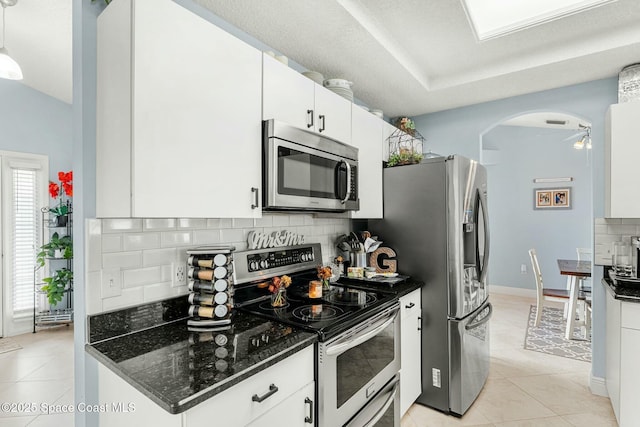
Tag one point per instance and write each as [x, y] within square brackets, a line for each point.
[58, 316]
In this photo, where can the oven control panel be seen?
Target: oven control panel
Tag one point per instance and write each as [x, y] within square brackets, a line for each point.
[278, 258]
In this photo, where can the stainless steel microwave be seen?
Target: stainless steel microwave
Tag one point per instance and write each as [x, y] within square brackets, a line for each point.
[307, 171]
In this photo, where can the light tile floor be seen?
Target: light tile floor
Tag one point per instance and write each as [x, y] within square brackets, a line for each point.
[525, 388]
[40, 373]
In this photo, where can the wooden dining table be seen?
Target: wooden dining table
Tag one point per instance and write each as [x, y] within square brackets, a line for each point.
[575, 271]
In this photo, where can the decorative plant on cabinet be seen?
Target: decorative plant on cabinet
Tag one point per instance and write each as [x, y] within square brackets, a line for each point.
[405, 144]
[56, 256]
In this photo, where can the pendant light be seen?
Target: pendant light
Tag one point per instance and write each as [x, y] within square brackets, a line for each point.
[9, 68]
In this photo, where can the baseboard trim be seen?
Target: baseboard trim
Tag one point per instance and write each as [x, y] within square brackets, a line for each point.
[598, 386]
[508, 290]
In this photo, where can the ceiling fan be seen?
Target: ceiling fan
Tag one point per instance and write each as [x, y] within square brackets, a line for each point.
[585, 138]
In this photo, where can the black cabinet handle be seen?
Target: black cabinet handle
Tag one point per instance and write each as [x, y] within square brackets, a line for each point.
[256, 194]
[309, 419]
[410, 305]
[419, 323]
[272, 390]
[321, 117]
[309, 118]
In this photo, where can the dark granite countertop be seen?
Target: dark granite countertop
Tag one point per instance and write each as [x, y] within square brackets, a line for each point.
[178, 369]
[623, 293]
[399, 289]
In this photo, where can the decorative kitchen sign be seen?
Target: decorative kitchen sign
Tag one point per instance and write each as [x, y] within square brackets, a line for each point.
[256, 240]
[552, 198]
[389, 263]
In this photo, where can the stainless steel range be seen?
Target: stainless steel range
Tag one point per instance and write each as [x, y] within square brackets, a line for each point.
[358, 354]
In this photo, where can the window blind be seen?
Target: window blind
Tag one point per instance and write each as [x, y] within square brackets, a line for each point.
[25, 236]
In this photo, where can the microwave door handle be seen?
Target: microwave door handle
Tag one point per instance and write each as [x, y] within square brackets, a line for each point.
[370, 333]
[348, 189]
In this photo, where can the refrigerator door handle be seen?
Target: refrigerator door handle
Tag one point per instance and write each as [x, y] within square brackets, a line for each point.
[485, 222]
[485, 319]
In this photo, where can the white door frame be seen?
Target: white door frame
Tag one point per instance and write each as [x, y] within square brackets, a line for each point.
[8, 326]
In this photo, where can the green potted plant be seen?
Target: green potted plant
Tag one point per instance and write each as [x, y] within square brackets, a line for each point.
[58, 247]
[62, 194]
[57, 284]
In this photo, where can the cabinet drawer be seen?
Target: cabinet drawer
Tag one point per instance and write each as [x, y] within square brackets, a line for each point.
[630, 315]
[410, 304]
[235, 407]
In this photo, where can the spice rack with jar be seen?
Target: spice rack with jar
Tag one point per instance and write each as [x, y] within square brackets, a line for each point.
[210, 275]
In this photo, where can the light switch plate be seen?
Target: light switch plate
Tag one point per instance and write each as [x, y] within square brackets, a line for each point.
[111, 283]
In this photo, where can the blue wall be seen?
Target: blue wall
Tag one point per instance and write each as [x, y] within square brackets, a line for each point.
[526, 153]
[32, 122]
[459, 131]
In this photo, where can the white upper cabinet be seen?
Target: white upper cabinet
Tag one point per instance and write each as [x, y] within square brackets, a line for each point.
[290, 97]
[622, 151]
[367, 137]
[179, 115]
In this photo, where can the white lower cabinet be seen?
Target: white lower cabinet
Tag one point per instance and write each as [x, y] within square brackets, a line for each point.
[295, 411]
[410, 353]
[282, 394]
[622, 349]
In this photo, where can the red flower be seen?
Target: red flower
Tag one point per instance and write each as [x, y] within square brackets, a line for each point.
[68, 189]
[54, 189]
[65, 177]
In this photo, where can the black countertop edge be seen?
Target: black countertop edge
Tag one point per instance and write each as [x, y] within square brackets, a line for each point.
[622, 293]
[229, 382]
[398, 289]
[177, 407]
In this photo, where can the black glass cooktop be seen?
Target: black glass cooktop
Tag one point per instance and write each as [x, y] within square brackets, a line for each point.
[338, 309]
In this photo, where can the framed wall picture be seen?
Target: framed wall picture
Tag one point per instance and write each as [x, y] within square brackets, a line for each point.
[552, 198]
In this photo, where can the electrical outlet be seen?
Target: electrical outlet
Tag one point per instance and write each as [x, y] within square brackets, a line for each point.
[179, 274]
[523, 269]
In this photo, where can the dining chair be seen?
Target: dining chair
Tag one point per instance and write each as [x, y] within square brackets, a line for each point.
[547, 294]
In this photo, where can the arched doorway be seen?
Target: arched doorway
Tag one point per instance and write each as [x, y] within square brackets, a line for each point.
[524, 152]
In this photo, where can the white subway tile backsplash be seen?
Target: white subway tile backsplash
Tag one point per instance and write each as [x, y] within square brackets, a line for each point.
[233, 235]
[176, 238]
[141, 252]
[205, 237]
[600, 229]
[296, 220]
[242, 222]
[111, 243]
[192, 223]
[159, 256]
[160, 291]
[118, 225]
[129, 298]
[632, 221]
[159, 224]
[622, 229]
[92, 292]
[122, 260]
[93, 248]
[265, 221]
[138, 241]
[110, 283]
[141, 276]
[280, 220]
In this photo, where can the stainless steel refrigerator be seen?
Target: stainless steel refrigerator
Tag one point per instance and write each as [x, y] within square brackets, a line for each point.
[435, 218]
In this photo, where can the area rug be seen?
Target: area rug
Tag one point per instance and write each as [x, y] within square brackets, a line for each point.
[7, 344]
[549, 338]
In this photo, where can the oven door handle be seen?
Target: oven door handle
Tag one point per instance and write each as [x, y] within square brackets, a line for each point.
[369, 333]
[384, 408]
[380, 412]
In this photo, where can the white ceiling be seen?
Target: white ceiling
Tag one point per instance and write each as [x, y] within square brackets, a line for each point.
[406, 57]
[412, 57]
[39, 37]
